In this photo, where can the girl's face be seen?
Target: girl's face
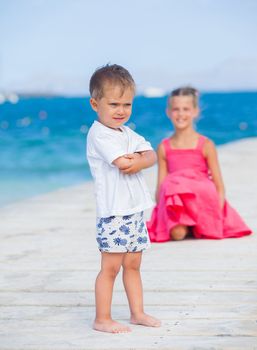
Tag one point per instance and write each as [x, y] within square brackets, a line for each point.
[182, 112]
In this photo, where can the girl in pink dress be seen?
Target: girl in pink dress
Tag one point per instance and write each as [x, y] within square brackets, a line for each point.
[190, 192]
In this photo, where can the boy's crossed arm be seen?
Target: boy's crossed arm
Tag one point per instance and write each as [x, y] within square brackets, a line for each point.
[134, 162]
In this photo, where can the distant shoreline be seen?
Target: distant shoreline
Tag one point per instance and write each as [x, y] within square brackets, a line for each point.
[248, 145]
[165, 93]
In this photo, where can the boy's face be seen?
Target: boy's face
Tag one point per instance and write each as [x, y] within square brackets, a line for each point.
[113, 109]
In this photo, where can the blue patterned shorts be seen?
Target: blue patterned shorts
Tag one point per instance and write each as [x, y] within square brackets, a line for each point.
[121, 234]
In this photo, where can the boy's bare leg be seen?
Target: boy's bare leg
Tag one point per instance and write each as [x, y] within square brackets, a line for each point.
[133, 286]
[110, 266]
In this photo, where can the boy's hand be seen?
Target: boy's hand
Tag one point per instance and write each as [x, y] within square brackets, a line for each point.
[122, 162]
[135, 164]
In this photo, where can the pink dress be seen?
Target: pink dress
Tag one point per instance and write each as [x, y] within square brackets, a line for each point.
[189, 197]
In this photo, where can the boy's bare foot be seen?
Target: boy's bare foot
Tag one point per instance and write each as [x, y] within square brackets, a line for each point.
[110, 326]
[145, 320]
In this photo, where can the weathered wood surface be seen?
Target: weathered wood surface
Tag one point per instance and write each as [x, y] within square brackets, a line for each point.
[204, 291]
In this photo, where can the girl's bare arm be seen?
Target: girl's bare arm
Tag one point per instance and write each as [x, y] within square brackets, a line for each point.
[211, 156]
[162, 169]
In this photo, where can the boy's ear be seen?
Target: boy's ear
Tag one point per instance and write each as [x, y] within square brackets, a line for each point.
[93, 104]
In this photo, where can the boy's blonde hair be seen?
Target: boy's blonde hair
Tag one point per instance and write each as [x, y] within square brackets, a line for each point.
[110, 74]
[186, 91]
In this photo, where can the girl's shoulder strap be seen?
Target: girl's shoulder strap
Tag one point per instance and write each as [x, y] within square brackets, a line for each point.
[201, 142]
[167, 147]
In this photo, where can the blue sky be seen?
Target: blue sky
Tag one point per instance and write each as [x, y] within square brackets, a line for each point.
[55, 45]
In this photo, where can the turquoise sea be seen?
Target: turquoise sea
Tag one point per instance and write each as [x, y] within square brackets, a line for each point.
[42, 139]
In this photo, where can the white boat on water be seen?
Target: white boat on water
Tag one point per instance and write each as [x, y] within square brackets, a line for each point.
[154, 92]
[11, 97]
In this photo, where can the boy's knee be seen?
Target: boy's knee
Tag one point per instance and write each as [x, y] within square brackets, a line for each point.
[111, 271]
[132, 264]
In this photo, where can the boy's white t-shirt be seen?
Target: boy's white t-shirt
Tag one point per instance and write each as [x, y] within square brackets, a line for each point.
[116, 193]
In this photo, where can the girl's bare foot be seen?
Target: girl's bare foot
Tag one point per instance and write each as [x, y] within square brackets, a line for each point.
[110, 326]
[145, 320]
